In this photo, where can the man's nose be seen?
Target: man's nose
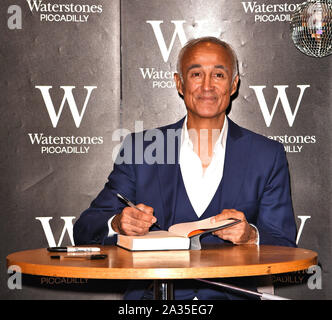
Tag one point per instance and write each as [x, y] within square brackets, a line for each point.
[207, 83]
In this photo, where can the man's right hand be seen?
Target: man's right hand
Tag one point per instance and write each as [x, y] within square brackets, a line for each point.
[133, 222]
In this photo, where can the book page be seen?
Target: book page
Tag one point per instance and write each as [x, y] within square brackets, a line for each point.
[183, 229]
[154, 240]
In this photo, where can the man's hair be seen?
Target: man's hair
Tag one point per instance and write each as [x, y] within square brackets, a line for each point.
[215, 40]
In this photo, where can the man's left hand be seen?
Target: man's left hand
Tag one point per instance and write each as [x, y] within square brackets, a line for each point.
[241, 233]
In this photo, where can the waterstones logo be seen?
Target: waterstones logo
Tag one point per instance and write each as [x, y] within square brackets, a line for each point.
[64, 144]
[69, 12]
[265, 12]
[292, 144]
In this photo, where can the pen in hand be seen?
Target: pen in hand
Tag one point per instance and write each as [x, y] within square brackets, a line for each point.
[130, 204]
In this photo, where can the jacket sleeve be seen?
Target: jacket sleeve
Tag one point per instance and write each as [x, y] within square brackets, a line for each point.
[92, 225]
[275, 222]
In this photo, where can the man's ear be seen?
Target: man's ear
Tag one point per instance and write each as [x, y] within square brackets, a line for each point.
[234, 85]
[179, 84]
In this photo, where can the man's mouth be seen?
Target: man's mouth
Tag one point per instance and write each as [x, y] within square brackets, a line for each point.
[207, 98]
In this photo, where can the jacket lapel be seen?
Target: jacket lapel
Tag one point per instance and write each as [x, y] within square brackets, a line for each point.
[169, 171]
[237, 150]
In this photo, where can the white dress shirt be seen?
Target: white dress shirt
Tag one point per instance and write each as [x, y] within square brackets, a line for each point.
[201, 186]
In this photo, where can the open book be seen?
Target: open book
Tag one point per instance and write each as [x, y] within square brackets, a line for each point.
[176, 238]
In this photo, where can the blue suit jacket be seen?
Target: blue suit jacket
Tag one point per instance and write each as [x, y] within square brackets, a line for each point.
[255, 181]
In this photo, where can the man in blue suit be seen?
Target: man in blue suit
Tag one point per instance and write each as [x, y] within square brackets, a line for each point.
[202, 166]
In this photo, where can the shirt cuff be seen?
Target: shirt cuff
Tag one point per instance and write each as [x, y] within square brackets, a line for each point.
[257, 233]
[111, 232]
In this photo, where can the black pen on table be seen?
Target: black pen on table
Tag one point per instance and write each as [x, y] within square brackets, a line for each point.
[130, 204]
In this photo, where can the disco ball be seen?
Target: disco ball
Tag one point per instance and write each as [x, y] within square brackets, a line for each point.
[311, 28]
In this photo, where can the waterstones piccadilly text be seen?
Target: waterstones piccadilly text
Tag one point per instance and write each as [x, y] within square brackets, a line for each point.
[58, 12]
[64, 145]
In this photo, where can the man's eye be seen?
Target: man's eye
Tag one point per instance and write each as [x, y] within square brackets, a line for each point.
[195, 74]
[219, 75]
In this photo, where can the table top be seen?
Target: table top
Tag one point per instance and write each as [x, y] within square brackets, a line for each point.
[213, 261]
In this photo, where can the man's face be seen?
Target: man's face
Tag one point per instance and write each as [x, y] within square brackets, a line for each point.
[207, 81]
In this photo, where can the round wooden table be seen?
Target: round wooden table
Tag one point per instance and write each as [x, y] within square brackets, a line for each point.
[214, 261]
